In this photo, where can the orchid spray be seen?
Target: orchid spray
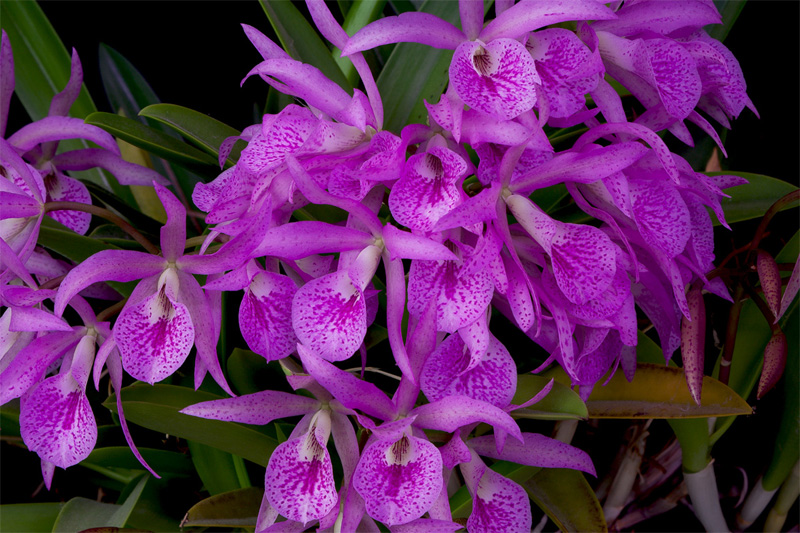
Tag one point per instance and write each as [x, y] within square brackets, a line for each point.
[431, 262]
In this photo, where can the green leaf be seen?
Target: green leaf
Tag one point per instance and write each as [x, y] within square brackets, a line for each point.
[729, 9]
[216, 468]
[154, 141]
[657, 391]
[199, 128]
[143, 223]
[238, 508]
[30, 517]
[415, 72]
[301, 41]
[566, 497]
[41, 70]
[753, 199]
[157, 407]
[550, 197]
[561, 403]
[79, 514]
[64, 241]
[165, 463]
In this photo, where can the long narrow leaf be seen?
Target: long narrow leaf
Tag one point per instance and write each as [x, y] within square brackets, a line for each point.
[753, 199]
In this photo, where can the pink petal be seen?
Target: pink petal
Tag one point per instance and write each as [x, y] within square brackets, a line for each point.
[413, 27]
[493, 380]
[259, 408]
[584, 261]
[537, 450]
[299, 478]
[154, 336]
[528, 16]
[399, 480]
[661, 214]
[330, 316]
[61, 188]
[452, 412]
[56, 421]
[61, 102]
[125, 172]
[265, 316]
[498, 504]
[497, 79]
[61, 128]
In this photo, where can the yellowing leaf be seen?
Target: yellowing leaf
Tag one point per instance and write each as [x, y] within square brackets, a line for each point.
[237, 508]
[658, 392]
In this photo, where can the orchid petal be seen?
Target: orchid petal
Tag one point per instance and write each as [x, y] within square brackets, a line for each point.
[399, 480]
[56, 421]
[348, 389]
[61, 128]
[584, 261]
[259, 408]
[301, 239]
[537, 450]
[63, 188]
[405, 245]
[770, 278]
[528, 16]
[265, 316]
[107, 265]
[415, 27]
[125, 172]
[661, 214]
[659, 17]
[60, 104]
[452, 412]
[791, 290]
[33, 319]
[774, 363]
[154, 336]
[492, 380]
[496, 78]
[329, 316]
[693, 335]
[498, 504]
[299, 477]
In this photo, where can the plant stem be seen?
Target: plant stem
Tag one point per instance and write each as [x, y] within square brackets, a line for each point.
[106, 214]
[702, 487]
[730, 335]
[754, 505]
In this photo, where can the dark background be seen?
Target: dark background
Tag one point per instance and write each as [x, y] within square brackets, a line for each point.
[194, 53]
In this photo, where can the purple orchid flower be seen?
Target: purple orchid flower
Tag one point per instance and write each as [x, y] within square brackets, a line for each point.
[168, 312]
[491, 70]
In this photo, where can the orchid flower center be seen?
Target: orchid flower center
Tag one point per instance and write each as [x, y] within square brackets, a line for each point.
[399, 453]
[483, 63]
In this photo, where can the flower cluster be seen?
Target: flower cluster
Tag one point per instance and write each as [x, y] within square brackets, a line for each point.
[445, 207]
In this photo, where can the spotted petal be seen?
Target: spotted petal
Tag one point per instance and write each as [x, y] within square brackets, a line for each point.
[330, 316]
[497, 78]
[493, 380]
[584, 261]
[265, 315]
[299, 479]
[56, 421]
[498, 504]
[154, 336]
[399, 480]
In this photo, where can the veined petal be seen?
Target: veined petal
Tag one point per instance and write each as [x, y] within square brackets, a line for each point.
[661, 214]
[537, 450]
[299, 478]
[352, 392]
[412, 27]
[498, 504]
[58, 129]
[265, 316]
[584, 261]
[453, 412]
[330, 316]
[405, 245]
[154, 336]
[107, 265]
[497, 78]
[61, 188]
[529, 16]
[492, 380]
[125, 172]
[56, 421]
[399, 480]
[297, 240]
[259, 408]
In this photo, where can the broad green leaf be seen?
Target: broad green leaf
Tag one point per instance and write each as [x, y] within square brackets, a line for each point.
[657, 391]
[358, 15]
[301, 41]
[238, 508]
[41, 70]
[79, 514]
[29, 517]
[9, 419]
[204, 131]
[566, 497]
[154, 141]
[753, 199]
[729, 9]
[157, 407]
[165, 463]
[415, 72]
[787, 442]
[145, 224]
[215, 468]
[561, 403]
[550, 197]
[77, 248]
